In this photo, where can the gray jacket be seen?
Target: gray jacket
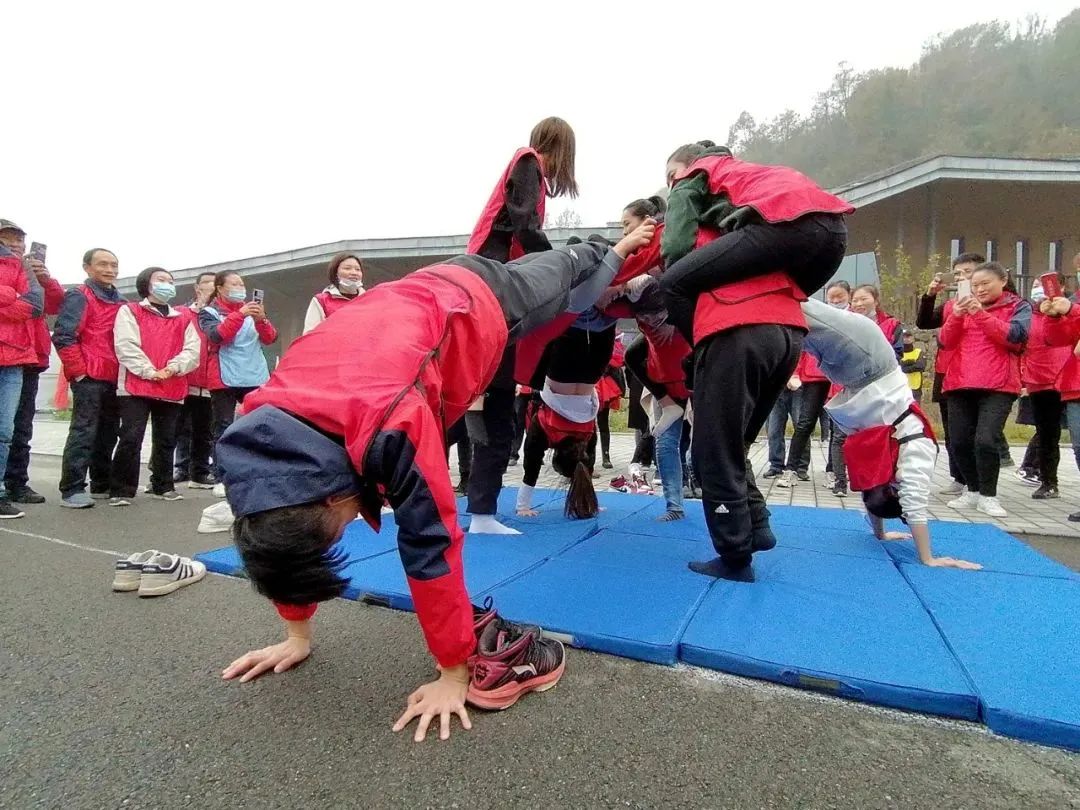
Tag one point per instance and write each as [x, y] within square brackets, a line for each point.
[850, 348]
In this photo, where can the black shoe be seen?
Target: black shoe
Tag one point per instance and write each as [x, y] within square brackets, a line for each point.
[773, 472]
[803, 475]
[7, 511]
[1045, 493]
[1075, 517]
[513, 462]
[1007, 462]
[179, 476]
[763, 539]
[607, 465]
[839, 490]
[199, 482]
[25, 495]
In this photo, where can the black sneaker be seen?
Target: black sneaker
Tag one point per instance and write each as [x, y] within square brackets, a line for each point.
[1045, 493]
[198, 482]
[1075, 517]
[25, 495]
[179, 476]
[803, 475]
[840, 490]
[8, 511]
[1007, 462]
[773, 472]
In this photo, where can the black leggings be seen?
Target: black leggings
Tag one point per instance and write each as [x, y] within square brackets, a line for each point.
[1048, 409]
[604, 431]
[809, 250]
[976, 420]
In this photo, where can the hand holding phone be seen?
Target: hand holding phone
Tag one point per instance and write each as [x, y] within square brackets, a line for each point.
[257, 297]
[963, 289]
[37, 251]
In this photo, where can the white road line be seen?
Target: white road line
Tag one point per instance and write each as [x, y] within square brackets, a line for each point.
[67, 543]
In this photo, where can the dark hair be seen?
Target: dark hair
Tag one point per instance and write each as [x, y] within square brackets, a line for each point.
[993, 267]
[969, 258]
[219, 279]
[569, 458]
[600, 240]
[843, 285]
[870, 288]
[689, 152]
[142, 281]
[289, 553]
[554, 139]
[647, 207]
[202, 275]
[335, 263]
[88, 257]
[574, 240]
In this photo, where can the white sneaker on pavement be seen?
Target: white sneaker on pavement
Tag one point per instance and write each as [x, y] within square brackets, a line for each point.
[952, 488]
[165, 573]
[787, 480]
[969, 500]
[991, 506]
[216, 518]
[219, 490]
[128, 571]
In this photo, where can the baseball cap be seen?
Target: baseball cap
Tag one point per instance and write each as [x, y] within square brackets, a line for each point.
[8, 225]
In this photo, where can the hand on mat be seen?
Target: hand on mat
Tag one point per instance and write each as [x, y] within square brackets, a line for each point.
[952, 562]
[896, 536]
[441, 699]
[278, 657]
[527, 513]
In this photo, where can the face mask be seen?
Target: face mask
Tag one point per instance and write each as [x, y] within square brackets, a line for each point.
[163, 291]
[839, 306]
[236, 296]
[348, 285]
[1038, 295]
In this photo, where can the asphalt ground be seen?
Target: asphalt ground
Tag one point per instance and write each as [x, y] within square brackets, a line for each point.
[108, 700]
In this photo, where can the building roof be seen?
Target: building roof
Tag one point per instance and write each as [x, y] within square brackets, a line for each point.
[913, 174]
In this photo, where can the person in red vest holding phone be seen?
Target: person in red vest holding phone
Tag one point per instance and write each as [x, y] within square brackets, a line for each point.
[511, 226]
[743, 245]
[156, 347]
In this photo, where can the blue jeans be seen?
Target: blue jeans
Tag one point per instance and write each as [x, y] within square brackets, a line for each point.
[670, 465]
[11, 380]
[786, 404]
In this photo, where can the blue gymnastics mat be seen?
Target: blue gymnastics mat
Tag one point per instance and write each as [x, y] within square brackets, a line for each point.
[832, 609]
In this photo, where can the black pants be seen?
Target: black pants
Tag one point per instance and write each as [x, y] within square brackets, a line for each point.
[91, 437]
[737, 377]
[604, 430]
[491, 457]
[938, 396]
[811, 406]
[134, 414]
[17, 476]
[644, 449]
[1048, 409]
[195, 439]
[521, 407]
[809, 250]
[458, 434]
[223, 406]
[976, 420]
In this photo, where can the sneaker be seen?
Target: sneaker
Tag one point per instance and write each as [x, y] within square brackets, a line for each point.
[216, 518]
[219, 490]
[830, 480]
[79, 500]
[953, 488]
[618, 484]
[512, 661]
[1006, 462]
[165, 573]
[607, 465]
[100, 496]
[1045, 493]
[119, 502]
[171, 495]
[206, 482]
[8, 511]
[513, 462]
[657, 481]
[991, 506]
[787, 480]
[179, 476]
[639, 485]
[1028, 477]
[1074, 517]
[803, 475]
[773, 472]
[127, 571]
[839, 490]
[969, 500]
[25, 495]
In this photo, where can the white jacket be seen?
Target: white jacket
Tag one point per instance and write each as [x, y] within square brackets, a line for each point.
[127, 340]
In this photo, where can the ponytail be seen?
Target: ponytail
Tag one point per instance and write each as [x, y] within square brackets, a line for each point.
[570, 459]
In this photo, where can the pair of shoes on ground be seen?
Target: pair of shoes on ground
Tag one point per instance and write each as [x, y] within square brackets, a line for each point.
[510, 661]
[198, 482]
[155, 573]
[986, 504]
[789, 478]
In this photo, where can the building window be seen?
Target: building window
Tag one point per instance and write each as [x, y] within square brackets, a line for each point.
[1022, 265]
[991, 250]
[956, 247]
[1057, 248]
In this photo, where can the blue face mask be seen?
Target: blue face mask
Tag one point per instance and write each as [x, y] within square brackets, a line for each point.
[163, 291]
[237, 295]
[1037, 294]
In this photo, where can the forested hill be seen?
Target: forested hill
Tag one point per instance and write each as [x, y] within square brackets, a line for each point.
[988, 89]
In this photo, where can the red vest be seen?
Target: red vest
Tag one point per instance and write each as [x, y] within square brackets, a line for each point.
[664, 364]
[161, 339]
[496, 203]
[200, 377]
[557, 428]
[944, 356]
[777, 193]
[808, 370]
[96, 337]
[1041, 365]
[332, 303]
[871, 454]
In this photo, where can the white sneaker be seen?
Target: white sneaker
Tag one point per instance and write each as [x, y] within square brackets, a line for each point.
[787, 480]
[128, 570]
[991, 506]
[969, 500]
[830, 480]
[216, 518]
[219, 490]
[165, 573]
[952, 488]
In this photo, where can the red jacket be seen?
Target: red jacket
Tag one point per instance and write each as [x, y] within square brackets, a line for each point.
[198, 380]
[54, 297]
[439, 334]
[987, 346]
[944, 356]
[808, 371]
[1065, 331]
[83, 334]
[892, 329]
[17, 314]
[1042, 364]
[777, 193]
[664, 364]
[495, 204]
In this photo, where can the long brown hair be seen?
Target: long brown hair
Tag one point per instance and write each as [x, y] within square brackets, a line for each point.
[570, 458]
[554, 139]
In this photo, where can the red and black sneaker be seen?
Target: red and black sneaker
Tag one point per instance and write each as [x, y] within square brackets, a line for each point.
[510, 661]
[482, 617]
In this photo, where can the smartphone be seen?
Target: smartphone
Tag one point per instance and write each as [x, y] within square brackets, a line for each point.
[257, 297]
[963, 288]
[1051, 285]
[37, 251]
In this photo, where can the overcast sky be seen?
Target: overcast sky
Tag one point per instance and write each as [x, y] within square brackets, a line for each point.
[182, 134]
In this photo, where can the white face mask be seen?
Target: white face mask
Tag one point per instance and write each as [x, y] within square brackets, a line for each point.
[1038, 294]
[348, 285]
[839, 305]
